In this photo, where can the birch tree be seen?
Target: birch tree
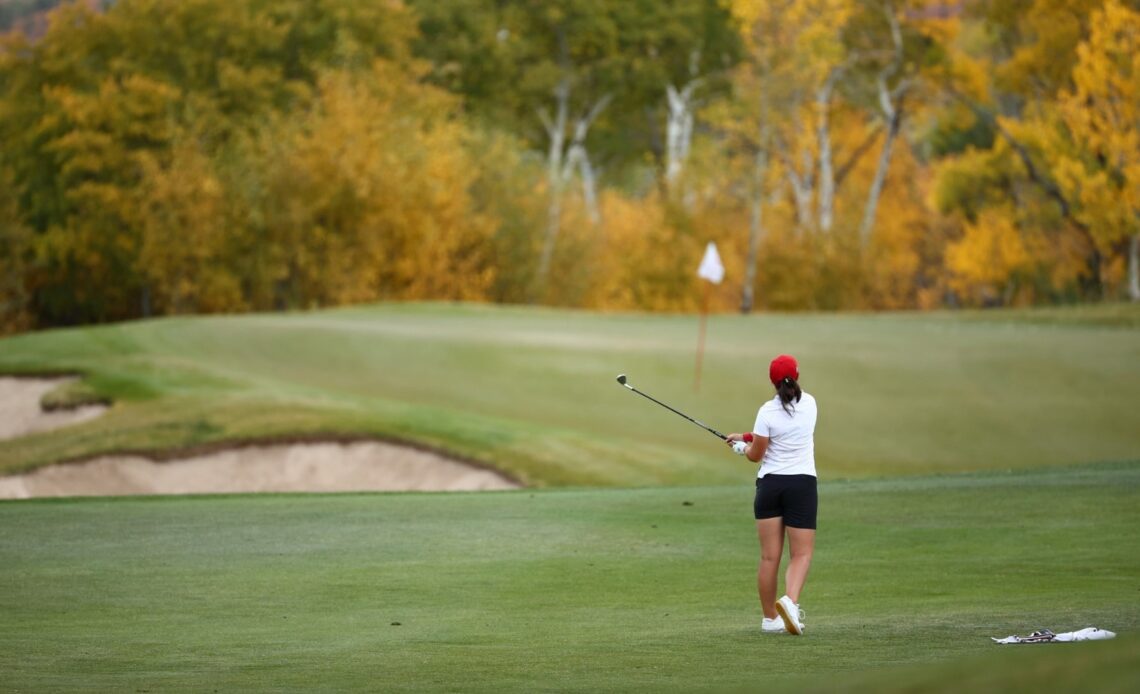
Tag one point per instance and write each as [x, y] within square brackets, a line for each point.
[679, 128]
[566, 157]
[795, 58]
[799, 58]
[891, 108]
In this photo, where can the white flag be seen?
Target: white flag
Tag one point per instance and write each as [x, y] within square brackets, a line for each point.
[711, 268]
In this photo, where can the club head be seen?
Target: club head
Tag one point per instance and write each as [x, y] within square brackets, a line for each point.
[621, 379]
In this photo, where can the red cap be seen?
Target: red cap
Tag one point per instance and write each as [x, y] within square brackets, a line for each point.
[782, 367]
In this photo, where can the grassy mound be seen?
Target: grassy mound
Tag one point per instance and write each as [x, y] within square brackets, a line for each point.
[592, 590]
[532, 391]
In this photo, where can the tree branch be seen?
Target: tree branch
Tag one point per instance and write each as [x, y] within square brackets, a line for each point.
[857, 154]
[1046, 183]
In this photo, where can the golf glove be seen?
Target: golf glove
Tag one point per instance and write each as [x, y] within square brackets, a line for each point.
[738, 447]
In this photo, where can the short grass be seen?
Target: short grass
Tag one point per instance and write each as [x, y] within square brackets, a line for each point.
[574, 589]
[532, 391]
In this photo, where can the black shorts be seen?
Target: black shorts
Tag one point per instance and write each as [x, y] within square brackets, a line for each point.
[792, 497]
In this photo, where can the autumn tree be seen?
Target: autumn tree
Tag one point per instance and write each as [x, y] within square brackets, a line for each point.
[584, 82]
[824, 88]
[16, 261]
[1098, 144]
[104, 99]
[1010, 63]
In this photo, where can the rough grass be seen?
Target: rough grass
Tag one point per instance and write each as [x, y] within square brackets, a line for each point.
[532, 391]
[584, 590]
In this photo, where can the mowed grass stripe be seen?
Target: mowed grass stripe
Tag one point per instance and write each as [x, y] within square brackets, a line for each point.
[562, 589]
[532, 391]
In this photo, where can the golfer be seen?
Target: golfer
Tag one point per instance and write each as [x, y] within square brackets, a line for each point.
[782, 441]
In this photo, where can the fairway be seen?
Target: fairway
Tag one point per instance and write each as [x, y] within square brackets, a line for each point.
[979, 477]
[532, 391]
[649, 589]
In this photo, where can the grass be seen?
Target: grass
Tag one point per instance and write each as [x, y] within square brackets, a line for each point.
[951, 507]
[575, 589]
[532, 391]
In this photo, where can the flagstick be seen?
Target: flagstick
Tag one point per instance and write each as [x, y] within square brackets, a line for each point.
[712, 270]
[701, 336]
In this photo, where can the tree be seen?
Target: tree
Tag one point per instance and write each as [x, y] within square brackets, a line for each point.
[820, 72]
[101, 105]
[1099, 154]
[369, 196]
[581, 80]
[1010, 62]
[16, 261]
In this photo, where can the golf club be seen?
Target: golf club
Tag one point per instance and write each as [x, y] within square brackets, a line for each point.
[622, 380]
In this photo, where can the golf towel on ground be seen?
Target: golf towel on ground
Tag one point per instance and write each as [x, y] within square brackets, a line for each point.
[1047, 636]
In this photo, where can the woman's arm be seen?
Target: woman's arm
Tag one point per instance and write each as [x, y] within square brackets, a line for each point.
[757, 448]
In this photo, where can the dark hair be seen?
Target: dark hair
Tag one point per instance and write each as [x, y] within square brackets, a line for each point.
[788, 390]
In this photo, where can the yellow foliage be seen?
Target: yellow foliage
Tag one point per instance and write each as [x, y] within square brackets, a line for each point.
[1041, 65]
[378, 206]
[649, 254]
[984, 262]
[1101, 118]
[186, 251]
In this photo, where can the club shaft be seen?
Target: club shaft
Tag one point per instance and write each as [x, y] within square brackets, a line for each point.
[706, 427]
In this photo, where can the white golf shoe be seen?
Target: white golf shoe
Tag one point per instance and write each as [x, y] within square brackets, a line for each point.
[791, 614]
[773, 626]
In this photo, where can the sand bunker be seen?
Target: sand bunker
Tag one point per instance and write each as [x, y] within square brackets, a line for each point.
[20, 411]
[308, 467]
[302, 467]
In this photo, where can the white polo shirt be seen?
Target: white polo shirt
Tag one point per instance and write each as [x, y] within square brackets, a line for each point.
[791, 437]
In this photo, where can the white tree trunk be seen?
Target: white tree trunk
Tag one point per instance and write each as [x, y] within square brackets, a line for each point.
[826, 200]
[801, 184]
[678, 129]
[892, 113]
[556, 132]
[562, 161]
[877, 184]
[579, 158]
[894, 121]
[589, 188]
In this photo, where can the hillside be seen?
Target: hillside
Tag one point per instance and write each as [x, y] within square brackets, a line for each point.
[531, 392]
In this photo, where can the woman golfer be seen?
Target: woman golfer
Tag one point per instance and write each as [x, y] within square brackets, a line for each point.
[782, 441]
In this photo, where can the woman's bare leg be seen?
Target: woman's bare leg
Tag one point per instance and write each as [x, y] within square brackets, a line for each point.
[801, 542]
[771, 534]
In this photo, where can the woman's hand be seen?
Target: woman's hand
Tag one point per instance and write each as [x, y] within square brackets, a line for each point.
[748, 444]
[737, 442]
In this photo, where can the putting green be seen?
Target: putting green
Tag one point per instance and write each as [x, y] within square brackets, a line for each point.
[532, 391]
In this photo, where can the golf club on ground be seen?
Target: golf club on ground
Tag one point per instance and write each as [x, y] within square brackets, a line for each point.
[622, 380]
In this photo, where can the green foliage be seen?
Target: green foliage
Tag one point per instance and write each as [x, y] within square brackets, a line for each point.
[71, 395]
[507, 58]
[956, 132]
[16, 254]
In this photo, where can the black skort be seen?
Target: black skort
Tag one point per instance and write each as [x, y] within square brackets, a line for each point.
[791, 497]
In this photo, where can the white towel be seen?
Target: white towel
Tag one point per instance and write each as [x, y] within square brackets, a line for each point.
[1047, 636]
[1088, 634]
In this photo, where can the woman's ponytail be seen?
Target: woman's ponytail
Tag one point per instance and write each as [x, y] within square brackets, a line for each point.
[789, 391]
